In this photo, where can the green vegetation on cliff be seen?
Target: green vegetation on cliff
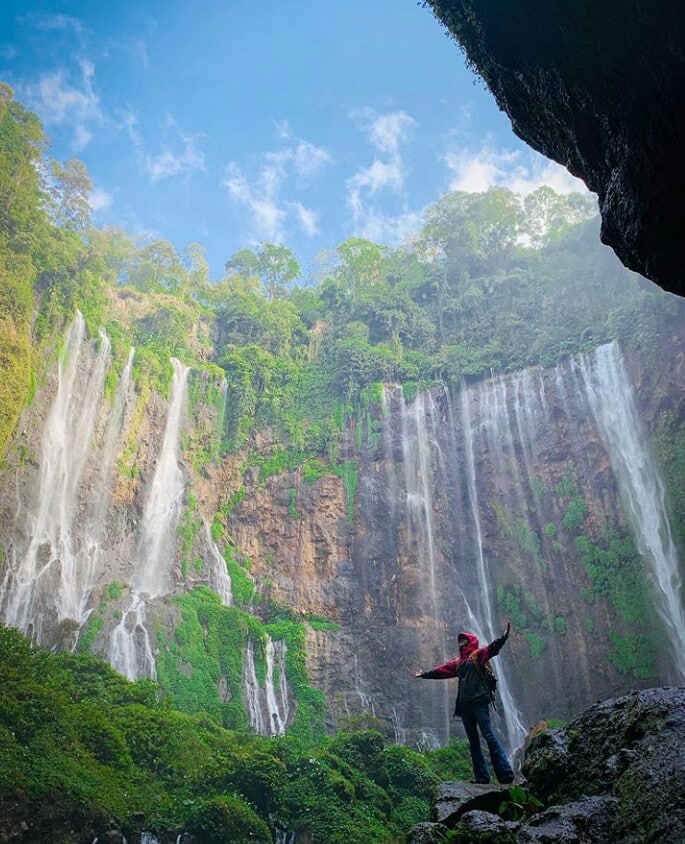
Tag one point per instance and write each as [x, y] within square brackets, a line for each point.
[76, 734]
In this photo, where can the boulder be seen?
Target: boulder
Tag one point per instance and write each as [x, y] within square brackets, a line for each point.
[456, 798]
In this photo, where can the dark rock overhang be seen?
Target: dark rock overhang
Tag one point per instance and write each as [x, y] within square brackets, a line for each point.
[600, 88]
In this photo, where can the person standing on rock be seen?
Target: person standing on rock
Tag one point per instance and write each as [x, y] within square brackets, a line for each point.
[472, 704]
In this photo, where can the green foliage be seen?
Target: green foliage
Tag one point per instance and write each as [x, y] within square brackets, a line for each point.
[568, 484]
[575, 514]
[519, 804]
[617, 577]
[536, 643]
[216, 820]
[242, 585]
[560, 625]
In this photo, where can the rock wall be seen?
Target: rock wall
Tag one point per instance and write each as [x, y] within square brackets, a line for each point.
[453, 511]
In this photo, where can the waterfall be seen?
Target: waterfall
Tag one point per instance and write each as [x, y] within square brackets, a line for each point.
[219, 579]
[251, 685]
[484, 626]
[94, 527]
[610, 395]
[157, 546]
[130, 648]
[276, 704]
[44, 576]
[267, 700]
[417, 437]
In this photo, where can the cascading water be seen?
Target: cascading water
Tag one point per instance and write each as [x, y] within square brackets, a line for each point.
[418, 437]
[610, 395]
[157, 543]
[95, 521]
[44, 577]
[130, 650]
[485, 627]
[276, 704]
[255, 716]
[268, 710]
[219, 579]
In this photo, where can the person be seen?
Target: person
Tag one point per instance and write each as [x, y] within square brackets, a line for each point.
[472, 703]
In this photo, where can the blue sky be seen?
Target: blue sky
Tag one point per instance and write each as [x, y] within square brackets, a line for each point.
[301, 122]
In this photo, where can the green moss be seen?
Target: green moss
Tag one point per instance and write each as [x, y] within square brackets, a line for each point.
[575, 514]
[349, 472]
[536, 643]
[242, 586]
[292, 504]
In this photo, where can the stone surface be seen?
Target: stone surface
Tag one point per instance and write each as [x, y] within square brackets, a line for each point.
[427, 833]
[587, 821]
[631, 749]
[598, 88]
[454, 799]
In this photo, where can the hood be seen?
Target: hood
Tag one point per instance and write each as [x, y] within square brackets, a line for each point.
[465, 651]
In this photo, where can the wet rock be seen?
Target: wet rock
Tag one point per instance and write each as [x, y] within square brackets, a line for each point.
[427, 833]
[630, 748]
[587, 821]
[476, 827]
[456, 798]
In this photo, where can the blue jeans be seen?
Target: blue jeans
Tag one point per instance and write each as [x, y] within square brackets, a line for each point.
[476, 716]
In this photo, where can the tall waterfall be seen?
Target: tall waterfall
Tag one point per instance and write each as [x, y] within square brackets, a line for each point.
[98, 505]
[610, 394]
[43, 578]
[480, 469]
[484, 625]
[130, 649]
[156, 552]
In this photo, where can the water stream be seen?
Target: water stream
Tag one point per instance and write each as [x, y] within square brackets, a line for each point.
[611, 398]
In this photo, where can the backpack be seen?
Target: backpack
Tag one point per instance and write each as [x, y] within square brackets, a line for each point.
[487, 675]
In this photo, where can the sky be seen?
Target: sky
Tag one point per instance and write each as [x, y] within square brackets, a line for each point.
[302, 122]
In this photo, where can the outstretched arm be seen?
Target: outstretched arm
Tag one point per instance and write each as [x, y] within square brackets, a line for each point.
[441, 672]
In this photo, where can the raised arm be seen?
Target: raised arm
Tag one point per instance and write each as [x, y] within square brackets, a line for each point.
[495, 647]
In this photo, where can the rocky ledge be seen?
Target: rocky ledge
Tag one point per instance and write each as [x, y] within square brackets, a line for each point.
[616, 773]
[598, 88]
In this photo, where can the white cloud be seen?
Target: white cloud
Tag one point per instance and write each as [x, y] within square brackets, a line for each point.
[259, 200]
[100, 200]
[388, 228]
[388, 132]
[368, 186]
[273, 175]
[59, 103]
[179, 154]
[46, 21]
[309, 220]
[474, 171]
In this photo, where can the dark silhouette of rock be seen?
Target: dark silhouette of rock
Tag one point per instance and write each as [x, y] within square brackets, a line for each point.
[598, 88]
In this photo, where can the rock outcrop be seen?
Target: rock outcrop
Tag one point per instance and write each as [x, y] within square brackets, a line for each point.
[598, 88]
[616, 773]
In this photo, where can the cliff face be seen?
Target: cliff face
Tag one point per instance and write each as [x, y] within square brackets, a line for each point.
[515, 499]
[598, 89]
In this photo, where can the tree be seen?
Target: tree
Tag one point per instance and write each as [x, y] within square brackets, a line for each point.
[70, 187]
[275, 266]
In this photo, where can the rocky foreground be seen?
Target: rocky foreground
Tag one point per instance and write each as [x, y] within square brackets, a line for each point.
[614, 774]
